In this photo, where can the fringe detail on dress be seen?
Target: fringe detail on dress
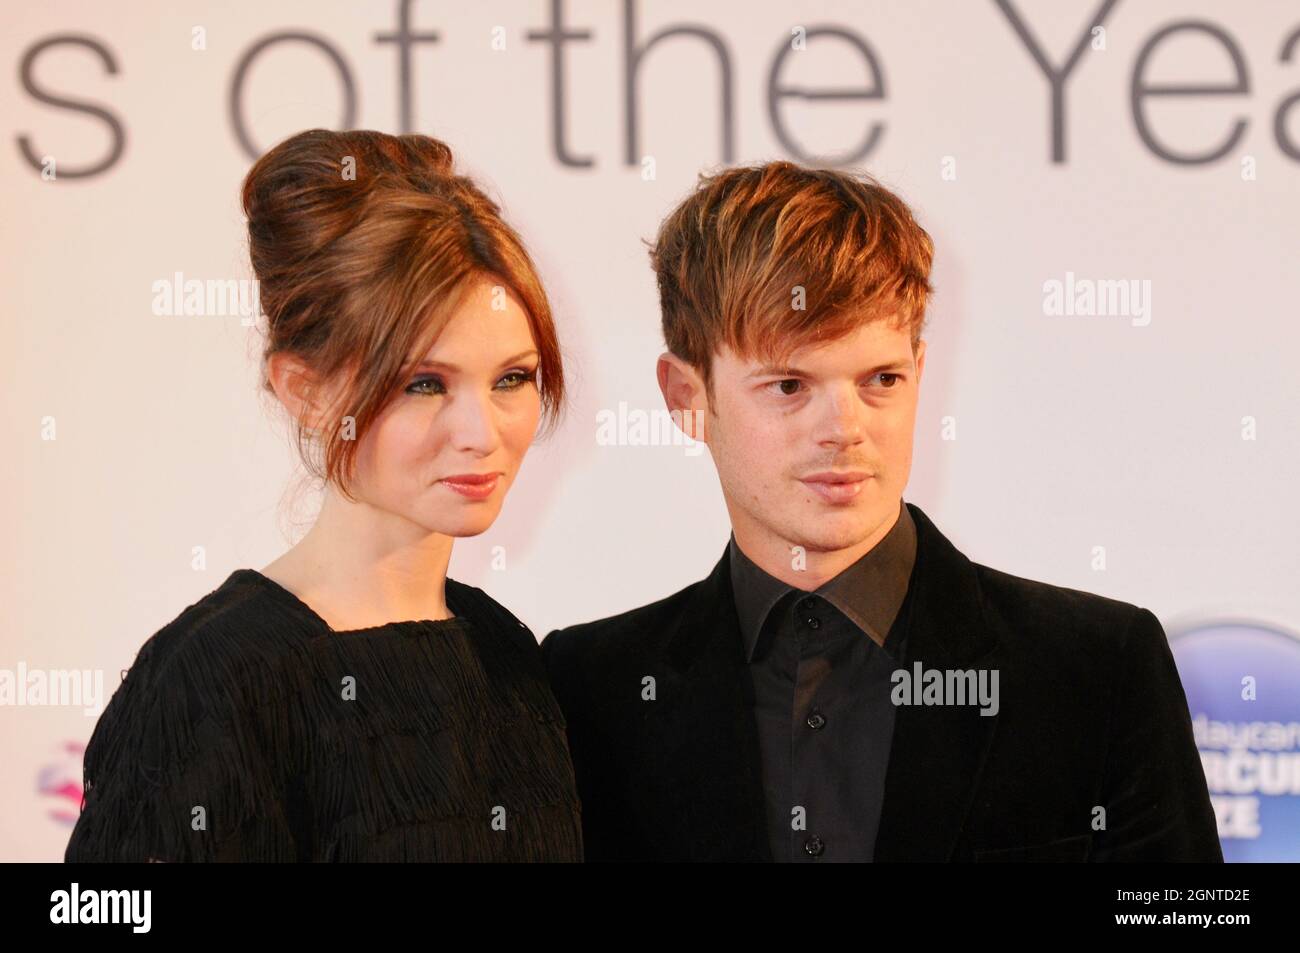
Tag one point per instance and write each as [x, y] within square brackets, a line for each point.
[238, 706]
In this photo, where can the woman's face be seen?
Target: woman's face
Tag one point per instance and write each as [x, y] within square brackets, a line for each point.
[446, 449]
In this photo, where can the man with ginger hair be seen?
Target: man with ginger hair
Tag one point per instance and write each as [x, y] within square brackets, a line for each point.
[845, 685]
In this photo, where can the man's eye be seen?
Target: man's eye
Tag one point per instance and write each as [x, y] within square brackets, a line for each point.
[426, 385]
[783, 389]
[892, 379]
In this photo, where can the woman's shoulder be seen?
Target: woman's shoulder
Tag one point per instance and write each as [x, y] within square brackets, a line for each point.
[185, 729]
[488, 613]
[241, 622]
[515, 657]
[208, 672]
[221, 655]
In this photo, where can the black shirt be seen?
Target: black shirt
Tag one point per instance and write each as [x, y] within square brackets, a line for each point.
[821, 690]
[249, 730]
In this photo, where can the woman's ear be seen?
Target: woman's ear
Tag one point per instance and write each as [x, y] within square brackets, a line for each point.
[296, 387]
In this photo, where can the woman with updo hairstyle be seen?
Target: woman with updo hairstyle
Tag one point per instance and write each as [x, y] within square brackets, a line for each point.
[348, 701]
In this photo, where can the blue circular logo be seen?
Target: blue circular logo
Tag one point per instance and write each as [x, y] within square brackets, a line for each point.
[1242, 681]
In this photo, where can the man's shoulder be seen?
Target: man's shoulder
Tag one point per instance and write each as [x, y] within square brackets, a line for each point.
[632, 634]
[1029, 595]
[1049, 616]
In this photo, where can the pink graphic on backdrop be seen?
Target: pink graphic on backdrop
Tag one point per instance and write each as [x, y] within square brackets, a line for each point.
[60, 781]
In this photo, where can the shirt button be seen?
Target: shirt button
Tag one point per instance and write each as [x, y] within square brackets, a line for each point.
[816, 719]
[807, 604]
[814, 846]
[813, 622]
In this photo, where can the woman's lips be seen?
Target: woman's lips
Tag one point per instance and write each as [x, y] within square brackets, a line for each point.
[472, 486]
[837, 488]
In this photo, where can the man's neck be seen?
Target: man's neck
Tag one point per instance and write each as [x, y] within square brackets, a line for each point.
[799, 566]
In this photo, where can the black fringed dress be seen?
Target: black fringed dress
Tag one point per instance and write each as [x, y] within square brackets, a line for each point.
[248, 730]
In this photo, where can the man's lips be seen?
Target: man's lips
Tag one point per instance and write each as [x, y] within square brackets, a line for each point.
[837, 476]
[837, 486]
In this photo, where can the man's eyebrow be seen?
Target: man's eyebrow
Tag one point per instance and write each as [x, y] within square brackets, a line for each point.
[773, 370]
[452, 367]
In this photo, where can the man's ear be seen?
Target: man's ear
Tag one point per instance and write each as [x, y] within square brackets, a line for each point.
[920, 361]
[684, 395]
[295, 385]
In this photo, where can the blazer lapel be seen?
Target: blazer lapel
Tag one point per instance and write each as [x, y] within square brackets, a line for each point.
[702, 744]
[938, 751]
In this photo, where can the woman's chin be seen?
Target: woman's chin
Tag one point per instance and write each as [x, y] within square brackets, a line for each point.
[460, 524]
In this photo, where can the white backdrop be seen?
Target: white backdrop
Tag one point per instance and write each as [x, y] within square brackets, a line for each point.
[1166, 436]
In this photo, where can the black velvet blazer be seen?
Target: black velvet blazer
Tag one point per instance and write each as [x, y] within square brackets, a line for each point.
[1090, 756]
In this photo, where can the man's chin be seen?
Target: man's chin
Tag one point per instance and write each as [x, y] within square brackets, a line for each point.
[830, 535]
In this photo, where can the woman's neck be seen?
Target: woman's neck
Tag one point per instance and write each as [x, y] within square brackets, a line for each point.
[359, 566]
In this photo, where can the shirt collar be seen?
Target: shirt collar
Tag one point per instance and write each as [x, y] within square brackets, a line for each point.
[869, 593]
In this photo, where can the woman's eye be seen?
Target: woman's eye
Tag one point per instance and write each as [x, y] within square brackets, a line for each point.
[426, 385]
[517, 379]
[513, 380]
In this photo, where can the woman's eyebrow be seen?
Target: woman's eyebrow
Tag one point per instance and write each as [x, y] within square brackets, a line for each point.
[452, 367]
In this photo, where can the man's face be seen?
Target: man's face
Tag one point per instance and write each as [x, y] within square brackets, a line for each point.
[815, 453]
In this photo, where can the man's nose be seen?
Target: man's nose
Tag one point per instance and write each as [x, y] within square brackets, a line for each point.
[843, 422]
